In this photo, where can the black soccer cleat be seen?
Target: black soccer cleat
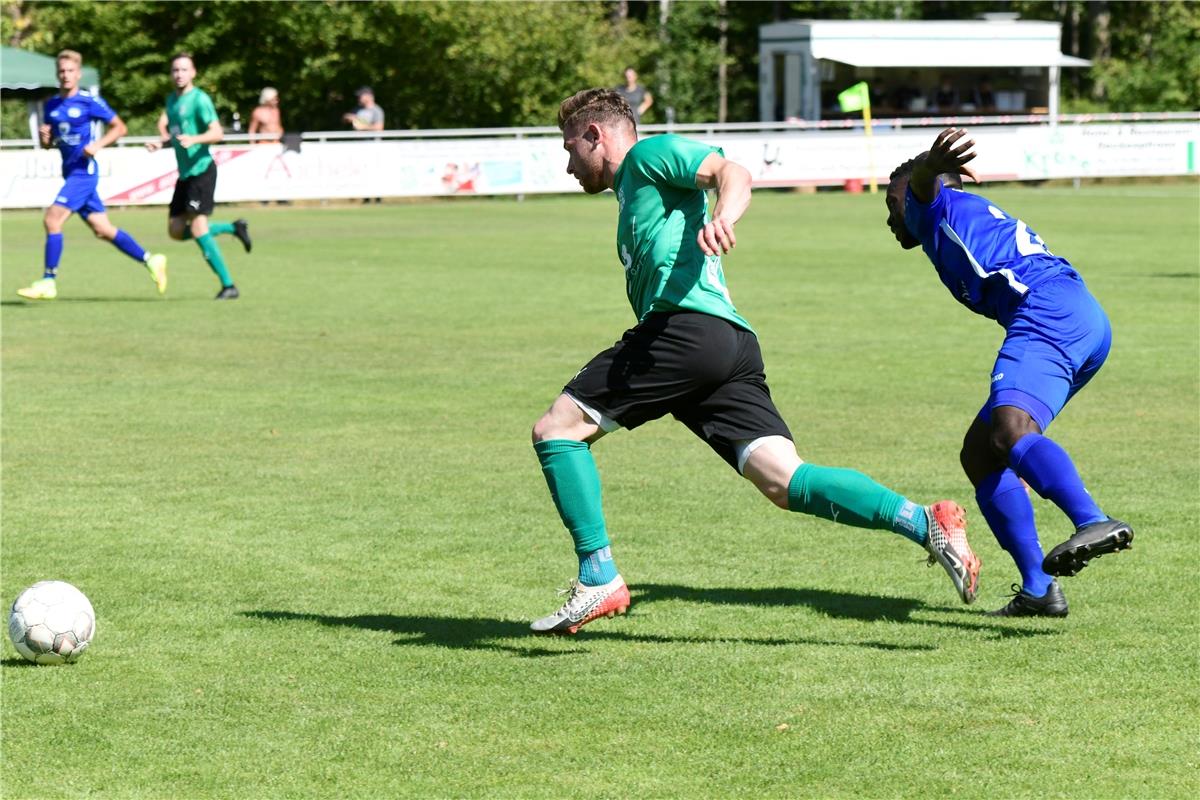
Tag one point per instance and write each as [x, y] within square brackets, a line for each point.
[241, 230]
[1052, 604]
[1090, 541]
[229, 292]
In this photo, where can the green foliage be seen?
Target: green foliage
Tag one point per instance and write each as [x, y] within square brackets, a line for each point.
[475, 64]
[1156, 63]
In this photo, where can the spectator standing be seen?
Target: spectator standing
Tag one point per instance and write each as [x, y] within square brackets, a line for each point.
[638, 96]
[266, 123]
[368, 116]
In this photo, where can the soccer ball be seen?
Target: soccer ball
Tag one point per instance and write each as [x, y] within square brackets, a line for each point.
[51, 622]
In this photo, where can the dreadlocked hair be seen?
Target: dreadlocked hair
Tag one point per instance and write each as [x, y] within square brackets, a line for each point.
[905, 170]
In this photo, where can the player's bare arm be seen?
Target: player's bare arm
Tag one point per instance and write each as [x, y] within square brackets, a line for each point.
[213, 135]
[164, 135]
[732, 184]
[116, 129]
[45, 134]
[946, 155]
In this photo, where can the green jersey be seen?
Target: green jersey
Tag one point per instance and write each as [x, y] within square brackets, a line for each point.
[661, 214]
[190, 113]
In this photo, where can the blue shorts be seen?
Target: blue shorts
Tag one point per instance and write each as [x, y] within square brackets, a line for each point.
[1057, 340]
[79, 194]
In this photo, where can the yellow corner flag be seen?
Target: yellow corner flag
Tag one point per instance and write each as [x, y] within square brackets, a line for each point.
[856, 98]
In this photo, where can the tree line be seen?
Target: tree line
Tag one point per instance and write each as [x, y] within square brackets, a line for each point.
[442, 64]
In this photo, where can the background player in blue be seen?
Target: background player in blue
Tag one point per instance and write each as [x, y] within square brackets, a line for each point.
[68, 126]
[690, 355]
[1057, 339]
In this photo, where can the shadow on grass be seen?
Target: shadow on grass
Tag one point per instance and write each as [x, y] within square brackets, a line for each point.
[837, 605]
[12, 661]
[69, 300]
[480, 633]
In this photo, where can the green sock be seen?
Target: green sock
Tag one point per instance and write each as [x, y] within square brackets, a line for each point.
[217, 228]
[212, 254]
[851, 498]
[574, 484]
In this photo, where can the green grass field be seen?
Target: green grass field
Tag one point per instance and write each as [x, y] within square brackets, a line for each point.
[314, 530]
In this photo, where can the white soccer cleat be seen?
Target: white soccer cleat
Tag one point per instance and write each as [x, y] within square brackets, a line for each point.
[947, 545]
[44, 289]
[585, 604]
[156, 265]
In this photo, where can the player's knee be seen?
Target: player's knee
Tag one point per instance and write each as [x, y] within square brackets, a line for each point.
[777, 493]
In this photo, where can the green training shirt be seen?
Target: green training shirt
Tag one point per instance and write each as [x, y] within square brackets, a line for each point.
[190, 113]
[661, 214]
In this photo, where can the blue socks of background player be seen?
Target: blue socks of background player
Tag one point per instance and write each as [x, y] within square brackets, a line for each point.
[1049, 471]
[127, 245]
[574, 483]
[212, 254]
[851, 498]
[218, 228]
[54, 248]
[1006, 507]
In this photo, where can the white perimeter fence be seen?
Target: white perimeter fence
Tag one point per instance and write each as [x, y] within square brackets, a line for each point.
[519, 161]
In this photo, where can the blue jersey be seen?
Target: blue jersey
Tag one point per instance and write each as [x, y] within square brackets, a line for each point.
[70, 120]
[987, 259]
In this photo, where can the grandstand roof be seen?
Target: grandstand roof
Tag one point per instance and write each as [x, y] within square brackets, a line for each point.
[972, 43]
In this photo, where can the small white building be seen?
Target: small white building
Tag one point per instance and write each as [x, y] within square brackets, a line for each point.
[995, 65]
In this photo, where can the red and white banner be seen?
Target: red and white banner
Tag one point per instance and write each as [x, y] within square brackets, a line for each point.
[438, 167]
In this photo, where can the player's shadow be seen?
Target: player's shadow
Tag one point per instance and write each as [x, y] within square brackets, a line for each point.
[837, 605]
[481, 633]
[70, 300]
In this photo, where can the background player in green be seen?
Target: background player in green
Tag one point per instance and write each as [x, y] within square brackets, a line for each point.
[190, 125]
[690, 355]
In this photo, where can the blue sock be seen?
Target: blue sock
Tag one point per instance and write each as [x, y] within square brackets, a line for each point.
[126, 244]
[1048, 469]
[597, 568]
[911, 521]
[1006, 507]
[54, 248]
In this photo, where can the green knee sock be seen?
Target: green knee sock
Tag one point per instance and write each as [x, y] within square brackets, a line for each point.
[574, 484]
[212, 254]
[217, 228]
[851, 498]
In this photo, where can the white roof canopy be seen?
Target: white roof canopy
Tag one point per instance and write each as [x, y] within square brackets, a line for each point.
[982, 43]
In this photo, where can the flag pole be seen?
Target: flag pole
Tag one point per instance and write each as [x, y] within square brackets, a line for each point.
[868, 129]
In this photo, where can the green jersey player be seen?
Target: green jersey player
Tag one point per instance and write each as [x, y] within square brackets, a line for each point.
[190, 125]
[691, 355]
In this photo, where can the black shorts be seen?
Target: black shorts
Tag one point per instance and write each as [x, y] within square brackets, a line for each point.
[701, 369]
[195, 195]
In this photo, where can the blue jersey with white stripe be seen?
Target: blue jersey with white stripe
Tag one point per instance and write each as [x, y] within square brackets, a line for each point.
[987, 259]
[70, 120]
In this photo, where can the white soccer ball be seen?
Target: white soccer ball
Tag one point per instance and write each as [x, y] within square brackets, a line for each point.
[51, 622]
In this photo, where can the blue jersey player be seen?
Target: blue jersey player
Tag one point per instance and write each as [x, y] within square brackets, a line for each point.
[1057, 338]
[69, 117]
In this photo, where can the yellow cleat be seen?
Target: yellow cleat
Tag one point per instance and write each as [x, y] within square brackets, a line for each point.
[156, 264]
[45, 289]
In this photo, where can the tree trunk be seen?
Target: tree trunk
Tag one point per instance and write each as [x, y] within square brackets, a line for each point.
[664, 70]
[722, 57]
[1101, 18]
